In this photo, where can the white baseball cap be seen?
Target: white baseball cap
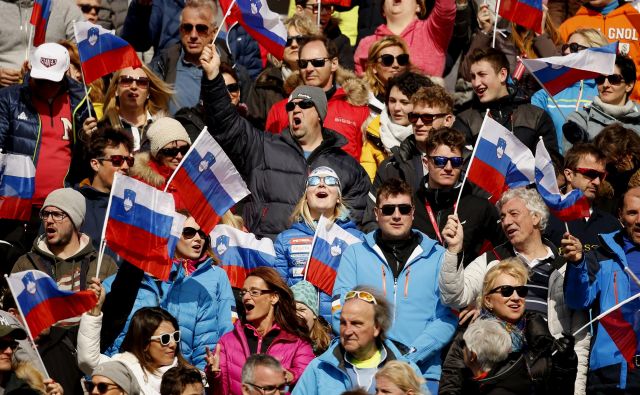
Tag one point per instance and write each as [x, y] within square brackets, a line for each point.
[49, 62]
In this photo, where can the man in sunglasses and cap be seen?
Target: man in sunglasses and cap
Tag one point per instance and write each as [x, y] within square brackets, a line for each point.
[276, 166]
[403, 264]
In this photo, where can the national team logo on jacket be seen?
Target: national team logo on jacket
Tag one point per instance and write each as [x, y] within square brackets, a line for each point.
[501, 147]
[48, 62]
[222, 244]
[337, 247]
[129, 199]
[206, 162]
[30, 283]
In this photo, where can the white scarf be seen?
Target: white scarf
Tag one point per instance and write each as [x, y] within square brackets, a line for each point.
[149, 382]
[391, 133]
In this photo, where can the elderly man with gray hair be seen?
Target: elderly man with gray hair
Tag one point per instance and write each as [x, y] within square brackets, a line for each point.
[486, 344]
[523, 217]
[263, 374]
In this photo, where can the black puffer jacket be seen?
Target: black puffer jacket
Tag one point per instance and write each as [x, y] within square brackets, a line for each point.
[274, 166]
[531, 372]
[405, 163]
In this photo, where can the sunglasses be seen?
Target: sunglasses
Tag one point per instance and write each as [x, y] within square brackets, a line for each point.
[591, 173]
[87, 8]
[426, 119]
[118, 160]
[4, 344]
[233, 87]
[573, 47]
[319, 62]
[325, 9]
[300, 39]
[201, 29]
[614, 79]
[362, 295]
[101, 387]
[507, 290]
[127, 80]
[189, 233]
[270, 389]
[388, 59]
[303, 104]
[165, 338]
[441, 161]
[174, 151]
[389, 209]
[329, 181]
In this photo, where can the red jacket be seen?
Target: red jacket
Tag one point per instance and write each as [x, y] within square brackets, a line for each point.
[342, 116]
[293, 353]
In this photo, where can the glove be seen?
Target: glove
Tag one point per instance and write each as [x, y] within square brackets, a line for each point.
[565, 344]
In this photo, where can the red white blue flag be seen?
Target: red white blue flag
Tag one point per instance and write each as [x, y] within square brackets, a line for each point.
[261, 23]
[328, 246]
[42, 304]
[559, 72]
[527, 13]
[17, 185]
[569, 207]
[102, 52]
[39, 19]
[500, 161]
[209, 183]
[139, 225]
[240, 252]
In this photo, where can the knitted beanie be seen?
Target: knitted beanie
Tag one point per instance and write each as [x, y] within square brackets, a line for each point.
[120, 374]
[164, 131]
[315, 94]
[70, 201]
[305, 292]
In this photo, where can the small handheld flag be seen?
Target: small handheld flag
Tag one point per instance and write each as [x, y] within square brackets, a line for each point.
[526, 13]
[39, 19]
[17, 185]
[42, 304]
[102, 52]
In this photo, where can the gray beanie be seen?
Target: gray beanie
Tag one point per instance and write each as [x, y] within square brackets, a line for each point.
[305, 292]
[70, 201]
[120, 374]
[163, 131]
[315, 94]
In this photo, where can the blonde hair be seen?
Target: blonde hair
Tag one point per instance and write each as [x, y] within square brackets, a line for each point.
[159, 95]
[510, 266]
[96, 93]
[523, 38]
[301, 212]
[378, 87]
[32, 376]
[233, 220]
[403, 376]
[304, 25]
[594, 37]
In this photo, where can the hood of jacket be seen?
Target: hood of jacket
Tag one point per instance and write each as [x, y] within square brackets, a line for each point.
[86, 247]
[350, 88]
[147, 170]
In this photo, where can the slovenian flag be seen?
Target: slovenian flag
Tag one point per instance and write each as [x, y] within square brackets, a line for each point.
[42, 304]
[17, 185]
[240, 252]
[260, 22]
[569, 207]
[328, 246]
[209, 183]
[527, 13]
[102, 52]
[500, 161]
[140, 224]
[39, 19]
[559, 72]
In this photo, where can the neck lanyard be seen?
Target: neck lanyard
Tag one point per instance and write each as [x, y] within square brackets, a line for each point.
[432, 218]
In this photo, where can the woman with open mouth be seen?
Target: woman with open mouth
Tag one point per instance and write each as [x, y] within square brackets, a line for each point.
[322, 197]
[271, 326]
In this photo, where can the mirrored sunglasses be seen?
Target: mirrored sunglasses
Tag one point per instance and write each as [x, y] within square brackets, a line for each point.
[441, 161]
[329, 181]
[362, 295]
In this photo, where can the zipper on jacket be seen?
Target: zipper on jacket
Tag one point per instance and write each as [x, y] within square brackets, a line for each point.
[384, 280]
[615, 286]
[395, 288]
[406, 283]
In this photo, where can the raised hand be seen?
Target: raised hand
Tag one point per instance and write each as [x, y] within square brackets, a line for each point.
[453, 234]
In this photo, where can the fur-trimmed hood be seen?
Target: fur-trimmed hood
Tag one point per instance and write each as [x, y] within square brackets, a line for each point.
[355, 88]
[147, 171]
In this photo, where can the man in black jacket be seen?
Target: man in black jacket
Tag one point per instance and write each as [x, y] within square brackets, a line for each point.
[276, 166]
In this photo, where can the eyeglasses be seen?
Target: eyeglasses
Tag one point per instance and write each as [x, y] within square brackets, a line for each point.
[174, 151]
[189, 233]
[441, 161]
[300, 39]
[614, 79]
[388, 59]
[318, 62]
[362, 295]
[270, 389]
[254, 293]
[591, 173]
[127, 80]
[165, 338]
[507, 290]
[87, 8]
[329, 181]
[4, 344]
[102, 387]
[573, 47]
[118, 160]
[201, 28]
[303, 104]
[233, 87]
[426, 119]
[389, 209]
[324, 9]
[57, 216]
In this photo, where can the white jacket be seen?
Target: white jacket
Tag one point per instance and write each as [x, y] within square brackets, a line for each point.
[460, 287]
[89, 356]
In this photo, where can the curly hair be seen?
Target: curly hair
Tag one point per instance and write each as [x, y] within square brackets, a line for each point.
[434, 96]
[445, 136]
[532, 201]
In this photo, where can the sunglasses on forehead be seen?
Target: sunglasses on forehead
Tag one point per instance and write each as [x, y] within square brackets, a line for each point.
[388, 59]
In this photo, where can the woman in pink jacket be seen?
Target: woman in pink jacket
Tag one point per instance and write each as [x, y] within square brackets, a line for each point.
[427, 37]
[271, 326]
